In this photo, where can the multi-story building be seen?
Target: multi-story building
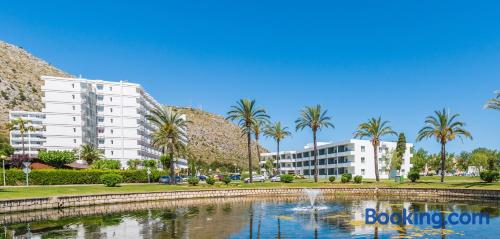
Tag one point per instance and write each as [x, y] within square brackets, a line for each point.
[109, 115]
[33, 139]
[351, 156]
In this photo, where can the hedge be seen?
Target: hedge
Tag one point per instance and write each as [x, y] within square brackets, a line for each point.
[68, 176]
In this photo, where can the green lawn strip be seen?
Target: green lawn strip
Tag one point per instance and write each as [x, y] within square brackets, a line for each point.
[51, 191]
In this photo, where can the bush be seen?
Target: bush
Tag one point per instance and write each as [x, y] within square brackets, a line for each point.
[226, 180]
[346, 177]
[133, 163]
[56, 159]
[413, 176]
[106, 164]
[358, 179]
[111, 179]
[210, 180]
[193, 180]
[489, 176]
[67, 176]
[150, 163]
[332, 179]
[287, 178]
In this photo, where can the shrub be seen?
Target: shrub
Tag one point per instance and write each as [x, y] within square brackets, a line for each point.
[56, 158]
[358, 179]
[67, 176]
[226, 180]
[210, 180]
[106, 164]
[193, 180]
[150, 163]
[332, 179]
[346, 177]
[413, 176]
[489, 176]
[287, 178]
[133, 163]
[111, 179]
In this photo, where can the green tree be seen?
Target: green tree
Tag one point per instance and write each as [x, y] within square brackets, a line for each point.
[444, 128]
[56, 158]
[133, 164]
[170, 134]
[397, 159]
[90, 153]
[247, 114]
[374, 129]
[315, 119]
[165, 161]
[419, 159]
[484, 158]
[256, 128]
[269, 167]
[22, 126]
[278, 133]
[6, 149]
[462, 161]
[494, 103]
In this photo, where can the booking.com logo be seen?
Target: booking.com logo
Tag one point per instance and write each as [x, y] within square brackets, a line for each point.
[435, 218]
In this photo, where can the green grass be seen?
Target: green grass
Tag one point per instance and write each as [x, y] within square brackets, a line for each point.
[51, 191]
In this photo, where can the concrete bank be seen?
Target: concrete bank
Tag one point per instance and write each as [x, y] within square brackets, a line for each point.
[17, 205]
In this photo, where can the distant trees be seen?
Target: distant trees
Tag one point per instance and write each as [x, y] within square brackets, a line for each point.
[90, 153]
[399, 152]
[278, 133]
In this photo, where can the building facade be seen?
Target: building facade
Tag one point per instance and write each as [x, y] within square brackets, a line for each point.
[351, 156]
[109, 115]
[33, 139]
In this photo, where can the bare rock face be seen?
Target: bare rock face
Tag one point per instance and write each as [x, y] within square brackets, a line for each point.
[20, 83]
[211, 137]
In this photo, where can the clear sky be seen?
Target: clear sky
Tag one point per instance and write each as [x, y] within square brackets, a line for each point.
[398, 59]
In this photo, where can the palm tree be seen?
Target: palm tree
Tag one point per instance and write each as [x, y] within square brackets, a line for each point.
[22, 126]
[247, 114]
[494, 103]
[256, 128]
[314, 118]
[170, 134]
[90, 153]
[374, 129]
[278, 133]
[444, 127]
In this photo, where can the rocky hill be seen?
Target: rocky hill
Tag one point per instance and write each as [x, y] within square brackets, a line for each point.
[211, 137]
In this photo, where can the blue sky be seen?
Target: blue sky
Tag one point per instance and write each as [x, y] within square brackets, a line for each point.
[398, 59]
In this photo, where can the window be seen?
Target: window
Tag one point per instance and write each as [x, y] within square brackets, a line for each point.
[330, 150]
[112, 142]
[362, 159]
[322, 152]
[294, 156]
[101, 141]
[73, 96]
[299, 155]
[73, 85]
[112, 152]
[74, 130]
[306, 171]
[100, 98]
[322, 171]
[74, 107]
[331, 161]
[110, 88]
[111, 99]
[74, 141]
[100, 130]
[74, 118]
[299, 164]
[363, 149]
[100, 108]
[362, 171]
[306, 154]
[111, 120]
[111, 110]
[331, 171]
[100, 119]
[112, 131]
[322, 161]
[306, 163]
[99, 87]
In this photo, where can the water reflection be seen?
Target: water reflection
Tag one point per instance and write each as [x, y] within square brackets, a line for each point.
[244, 218]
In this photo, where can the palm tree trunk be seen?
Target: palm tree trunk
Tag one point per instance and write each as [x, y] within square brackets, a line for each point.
[258, 149]
[172, 167]
[278, 157]
[249, 142]
[443, 158]
[22, 141]
[375, 159]
[315, 158]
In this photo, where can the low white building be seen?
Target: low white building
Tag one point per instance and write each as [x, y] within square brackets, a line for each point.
[33, 139]
[352, 156]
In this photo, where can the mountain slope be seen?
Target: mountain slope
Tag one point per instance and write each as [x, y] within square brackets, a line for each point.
[211, 137]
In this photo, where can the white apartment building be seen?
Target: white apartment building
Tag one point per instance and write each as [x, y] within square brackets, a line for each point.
[110, 115]
[33, 139]
[351, 156]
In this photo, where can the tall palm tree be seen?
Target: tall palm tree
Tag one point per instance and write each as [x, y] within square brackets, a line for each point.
[315, 119]
[444, 127]
[247, 114]
[278, 133]
[22, 126]
[374, 129]
[494, 103]
[90, 153]
[256, 128]
[170, 134]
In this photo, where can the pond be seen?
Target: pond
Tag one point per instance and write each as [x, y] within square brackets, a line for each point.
[249, 217]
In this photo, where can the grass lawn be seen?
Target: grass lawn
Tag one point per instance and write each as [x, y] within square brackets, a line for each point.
[50, 191]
